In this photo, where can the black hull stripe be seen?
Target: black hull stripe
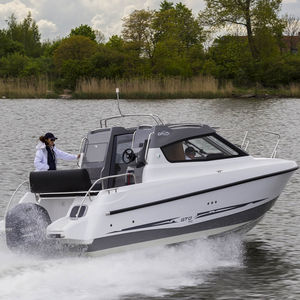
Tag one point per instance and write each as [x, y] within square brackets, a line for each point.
[121, 210]
[199, 215]
[130, 238]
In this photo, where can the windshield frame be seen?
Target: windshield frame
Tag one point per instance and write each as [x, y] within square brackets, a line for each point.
[227, 144]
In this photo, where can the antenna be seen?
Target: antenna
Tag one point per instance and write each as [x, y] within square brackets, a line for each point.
[118, 101]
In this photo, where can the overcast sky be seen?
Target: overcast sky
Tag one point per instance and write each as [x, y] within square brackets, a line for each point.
[56, 18]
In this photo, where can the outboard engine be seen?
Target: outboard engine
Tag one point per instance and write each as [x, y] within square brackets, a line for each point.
[26, 225]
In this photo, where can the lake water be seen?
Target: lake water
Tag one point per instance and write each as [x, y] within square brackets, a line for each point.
[265, 264]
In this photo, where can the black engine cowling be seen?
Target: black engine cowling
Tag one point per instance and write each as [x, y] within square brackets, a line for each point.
[26, 225]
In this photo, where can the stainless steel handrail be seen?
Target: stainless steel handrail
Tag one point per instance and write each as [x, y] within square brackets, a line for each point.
[13, 195]
[156, 118]
[246, 140]
[148, 144]
[133, 137]
[97, 181]
[184, 125]
[83, 142]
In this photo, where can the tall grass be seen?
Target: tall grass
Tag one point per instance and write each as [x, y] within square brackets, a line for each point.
[24, 87]
[292, 90]
[141, 88]
[154, 88]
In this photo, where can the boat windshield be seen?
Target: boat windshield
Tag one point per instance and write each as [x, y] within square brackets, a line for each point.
[199, 148]
[95, 150]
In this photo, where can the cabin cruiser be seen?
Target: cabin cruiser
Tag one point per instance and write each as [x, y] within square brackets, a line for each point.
[146, 185]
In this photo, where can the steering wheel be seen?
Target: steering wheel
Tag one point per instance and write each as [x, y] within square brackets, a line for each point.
[128, 156]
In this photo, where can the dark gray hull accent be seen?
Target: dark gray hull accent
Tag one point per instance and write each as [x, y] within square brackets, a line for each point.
[152, 224]
[151, 235]
[121, 210]
[199, 215]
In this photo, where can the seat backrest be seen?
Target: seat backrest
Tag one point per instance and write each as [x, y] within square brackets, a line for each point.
[60, 181]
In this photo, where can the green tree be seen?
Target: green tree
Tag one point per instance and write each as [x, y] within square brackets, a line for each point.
[84, 30]
[116, 42]
[177, 23]
[26, 33]
[169, 61]
[108, 62]
[250, 14]
[229, 57]
[13, 65]
[48, 47]
[8, 46]
[267, 45]
[73, 69]
[166, 5]
[178, 41]
[138, 30]
[74, 48]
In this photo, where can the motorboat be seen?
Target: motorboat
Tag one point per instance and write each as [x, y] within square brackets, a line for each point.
[146, 185]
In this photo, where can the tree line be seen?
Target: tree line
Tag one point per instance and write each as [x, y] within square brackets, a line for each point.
[169, 42]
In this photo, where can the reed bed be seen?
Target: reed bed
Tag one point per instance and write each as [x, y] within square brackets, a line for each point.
[292, 90]
[141, 88]
[24, 88]
[196, 87]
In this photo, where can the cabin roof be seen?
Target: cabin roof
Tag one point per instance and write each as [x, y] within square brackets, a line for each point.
[171, 133]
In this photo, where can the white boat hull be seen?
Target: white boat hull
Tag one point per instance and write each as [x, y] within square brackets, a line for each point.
[133, 216]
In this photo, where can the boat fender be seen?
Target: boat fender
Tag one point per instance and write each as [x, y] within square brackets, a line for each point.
[25, 227]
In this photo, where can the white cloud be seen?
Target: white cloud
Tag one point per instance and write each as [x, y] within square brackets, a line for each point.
[98, 21]
[16, 7]
[47, 28]
[58, 17]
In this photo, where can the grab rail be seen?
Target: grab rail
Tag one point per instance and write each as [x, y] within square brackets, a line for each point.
[156, 118]
[97, 181]
[246, 141]
[148, 145]
[13, 195]
[82, 143]
[185, 125]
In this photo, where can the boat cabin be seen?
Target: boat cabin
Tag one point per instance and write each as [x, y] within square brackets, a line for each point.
[118, 150]
[119, 156]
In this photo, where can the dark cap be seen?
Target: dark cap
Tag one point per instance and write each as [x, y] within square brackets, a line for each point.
[50, 135]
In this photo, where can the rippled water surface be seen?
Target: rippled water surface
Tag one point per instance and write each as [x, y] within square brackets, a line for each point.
[264, 265]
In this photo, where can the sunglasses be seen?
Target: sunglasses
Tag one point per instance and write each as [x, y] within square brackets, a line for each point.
[52, 140]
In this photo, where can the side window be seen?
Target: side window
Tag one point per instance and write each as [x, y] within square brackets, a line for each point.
[96, 147]
[123, 142]
[199, 148]
[96, 152]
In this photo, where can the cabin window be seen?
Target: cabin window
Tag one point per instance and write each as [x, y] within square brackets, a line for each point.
[198, 148]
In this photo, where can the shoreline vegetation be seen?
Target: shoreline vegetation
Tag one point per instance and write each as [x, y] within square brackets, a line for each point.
[161, 53]
[141, 88]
